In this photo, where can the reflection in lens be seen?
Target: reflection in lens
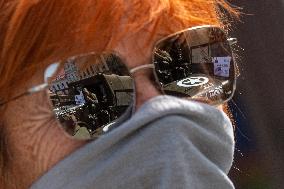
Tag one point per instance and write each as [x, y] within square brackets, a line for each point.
[89, 93]
[184, 61]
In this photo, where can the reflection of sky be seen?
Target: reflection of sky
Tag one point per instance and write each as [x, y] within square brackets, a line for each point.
[50, 70]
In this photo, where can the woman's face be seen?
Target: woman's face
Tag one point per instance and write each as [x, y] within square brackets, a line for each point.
[35, 139]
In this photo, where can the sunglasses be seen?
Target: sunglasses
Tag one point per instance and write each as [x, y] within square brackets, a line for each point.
[89, 92]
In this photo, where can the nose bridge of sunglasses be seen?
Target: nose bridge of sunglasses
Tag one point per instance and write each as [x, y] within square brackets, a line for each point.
[90, 93]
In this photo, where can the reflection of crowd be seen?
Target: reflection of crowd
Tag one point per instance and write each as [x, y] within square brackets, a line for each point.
[171, 65]
[91, 99]
[94, 113]
[173, 62]
[95, 103]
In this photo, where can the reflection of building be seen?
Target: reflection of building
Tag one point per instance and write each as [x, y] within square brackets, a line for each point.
[59, 86]
[71, 71]
[99, 65]
[70, 74]
[204, 53]
[75, 71]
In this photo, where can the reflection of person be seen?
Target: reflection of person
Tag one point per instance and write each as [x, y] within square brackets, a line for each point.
[90, 97]
[91, 101]
[167, 143]
[98, 112]
[163, 63]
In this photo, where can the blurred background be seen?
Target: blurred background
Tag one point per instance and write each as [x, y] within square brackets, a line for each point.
[258, 105]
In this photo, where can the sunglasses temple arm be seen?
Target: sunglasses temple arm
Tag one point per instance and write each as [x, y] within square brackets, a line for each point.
[14, 98]
[145, 66]
[37, 88]
[30, 91]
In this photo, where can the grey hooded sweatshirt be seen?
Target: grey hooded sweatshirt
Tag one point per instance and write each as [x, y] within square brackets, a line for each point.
[169, 143]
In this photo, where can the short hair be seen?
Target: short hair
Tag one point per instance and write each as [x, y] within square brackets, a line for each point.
[34, 33]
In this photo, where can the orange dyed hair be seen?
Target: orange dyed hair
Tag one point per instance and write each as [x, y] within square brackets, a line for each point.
[34, 33]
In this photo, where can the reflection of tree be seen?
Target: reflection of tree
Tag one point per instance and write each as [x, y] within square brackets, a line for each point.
[116, 65]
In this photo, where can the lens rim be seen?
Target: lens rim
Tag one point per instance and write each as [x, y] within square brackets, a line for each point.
[208, 27]
[94, 135]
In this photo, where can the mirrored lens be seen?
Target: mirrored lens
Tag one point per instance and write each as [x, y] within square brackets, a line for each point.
[196, 64]
[89, 92]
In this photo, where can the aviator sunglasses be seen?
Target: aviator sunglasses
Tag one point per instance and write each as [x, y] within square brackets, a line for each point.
[90, 92]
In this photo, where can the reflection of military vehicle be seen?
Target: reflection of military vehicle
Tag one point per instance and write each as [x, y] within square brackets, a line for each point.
[113, 95]
[188, 86]
[121, 89]
[111, 90]
[200, 87]
[61, 100]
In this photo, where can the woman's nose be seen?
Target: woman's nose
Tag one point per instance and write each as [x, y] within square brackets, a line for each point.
[145, 86]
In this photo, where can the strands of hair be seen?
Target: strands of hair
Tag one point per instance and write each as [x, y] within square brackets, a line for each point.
[35, 33]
